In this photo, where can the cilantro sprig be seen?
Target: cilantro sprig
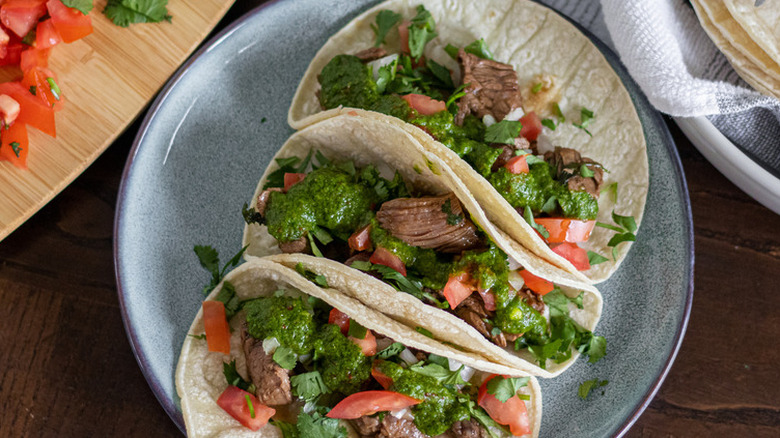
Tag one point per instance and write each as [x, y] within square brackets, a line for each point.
[409, 284]
[235, 379]
[625, 228]
[287, 165]
[504, 388]
[586, 116]
[309, 386]
[385, 21]
[504, 132]
[209, 259]
[315, 278]
[422, 29]
[126, 12]
[587, 386]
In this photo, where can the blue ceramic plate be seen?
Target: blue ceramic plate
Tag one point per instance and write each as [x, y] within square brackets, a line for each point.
[210, 135]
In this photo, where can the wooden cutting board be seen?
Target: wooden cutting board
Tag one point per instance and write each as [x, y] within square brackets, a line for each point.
[107, 78]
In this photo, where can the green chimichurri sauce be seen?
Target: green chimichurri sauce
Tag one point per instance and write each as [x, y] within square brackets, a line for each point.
[519, 317]
[311, 203]
[284, 318]
[440, 407]
[346, 81]
[342, 364]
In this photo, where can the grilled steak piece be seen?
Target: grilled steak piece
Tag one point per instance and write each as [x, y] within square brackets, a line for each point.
[476, 305]
[392, 427]
[366, 426]
[262, 199]
[467, 429]
[532, 299]
[271, 380]
[492, 89]
[473, 319]
[294, 246]
[371, 54]
[430, 222]
[567, 160]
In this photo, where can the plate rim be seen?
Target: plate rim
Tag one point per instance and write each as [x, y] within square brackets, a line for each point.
[654, 117]
[739, 168]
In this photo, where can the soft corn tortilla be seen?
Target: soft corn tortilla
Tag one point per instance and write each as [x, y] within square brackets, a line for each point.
[760, 23]
[752, 64]
[199, 376]
[537, 42]
[370, 140]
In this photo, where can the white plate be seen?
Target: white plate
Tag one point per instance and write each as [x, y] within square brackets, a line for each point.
[731, 161]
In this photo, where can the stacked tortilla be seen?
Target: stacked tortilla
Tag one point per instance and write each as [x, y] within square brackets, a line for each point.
[749, 36]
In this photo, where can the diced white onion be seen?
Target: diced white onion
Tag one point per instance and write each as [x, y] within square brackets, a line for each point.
[408, 357]
[466, 373]
[488, 120]
[304, 358]
[544, 144]
[515, 114]
[401, 413]
[269, 345]
[515, 280]
[381, 62]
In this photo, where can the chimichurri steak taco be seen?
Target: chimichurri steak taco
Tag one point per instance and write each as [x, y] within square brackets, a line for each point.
[390, 226]
[521, 105]
[286, 356]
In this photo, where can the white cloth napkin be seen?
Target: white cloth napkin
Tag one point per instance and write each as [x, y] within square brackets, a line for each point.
[681, 71]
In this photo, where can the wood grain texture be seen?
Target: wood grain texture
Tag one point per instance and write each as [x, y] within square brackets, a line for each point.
[67, 370]
[107, 78]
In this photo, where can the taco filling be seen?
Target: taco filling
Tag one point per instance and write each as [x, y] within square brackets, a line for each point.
[479, 112]
[309, 365]
[426, 246]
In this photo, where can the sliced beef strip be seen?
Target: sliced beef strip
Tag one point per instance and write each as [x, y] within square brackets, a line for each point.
[271, 380]
[569, 160]
[392, 427]
[295, 246]
[473, 319]
[493, 88]
[262, 199]
[476, 305]
[532, 299]
[371, 54]
[467, 429]
[421, 222]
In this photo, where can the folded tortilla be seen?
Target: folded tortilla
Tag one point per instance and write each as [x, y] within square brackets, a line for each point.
[199, 375]
[370, 140]
[536, 41]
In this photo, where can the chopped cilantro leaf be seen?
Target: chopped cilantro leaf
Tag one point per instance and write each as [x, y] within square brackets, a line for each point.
[537, 88]
[440, 373]
[287, 165]
[532, 159]
[585, 171]
[613, 191]
[550, 124]
[529, 217]
[314, 248]
[441, 73]
[627, 222]
[16, 148]
[356, 330]
[421, 30]
[235, 379]
[201, 336]
[83, 6]
[452, 219]
[385, 21]
[457, 94]
[322, 235]
[479, 48]
[285, 357]
[316, 426]
[452, 51]
[557, 111]
[386, 75]
[126, 12]
[504, 388]
[209, 259]
[424, 331]
[586, 116]
[289, 430]
[589, 385]
[550, 204]
[251, 216]
[392, 350]
[504, 131]
[596, 258]
[308, 386]
[317, 279]
[227, 295]
[620, 238]
[595, 348]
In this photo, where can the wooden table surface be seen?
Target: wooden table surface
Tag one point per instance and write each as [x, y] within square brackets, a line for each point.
[67, 369]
